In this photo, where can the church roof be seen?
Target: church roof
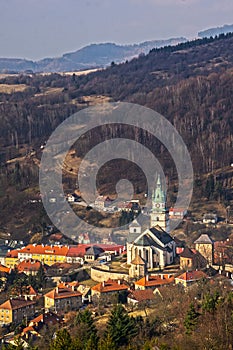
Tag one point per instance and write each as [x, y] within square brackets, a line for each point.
[144, 241]
[204, 238]
[132, 236]
[138, 261]
[162, 235]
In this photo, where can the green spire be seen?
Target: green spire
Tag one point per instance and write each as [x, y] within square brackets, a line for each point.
[158, 195]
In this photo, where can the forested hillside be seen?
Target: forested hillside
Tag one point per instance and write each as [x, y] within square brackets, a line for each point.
[191, 84]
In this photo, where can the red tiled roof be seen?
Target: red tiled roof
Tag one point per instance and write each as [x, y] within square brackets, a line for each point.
[29, 329]
[12, 254]
[154, 281]
[13, 304]
[4, 269]
[192, 276]
[37, 319]
[47, 249]
[110, 286]
[29, 265]
[61, 293]
[142, 295]
[80, 249]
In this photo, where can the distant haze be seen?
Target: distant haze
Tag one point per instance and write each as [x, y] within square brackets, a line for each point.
[35, 29]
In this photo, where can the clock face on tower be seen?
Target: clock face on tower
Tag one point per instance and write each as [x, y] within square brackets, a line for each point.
[157, 205]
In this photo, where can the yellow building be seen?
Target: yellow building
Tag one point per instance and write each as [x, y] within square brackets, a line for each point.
[15, 310]
[49, 255]
[11, 259]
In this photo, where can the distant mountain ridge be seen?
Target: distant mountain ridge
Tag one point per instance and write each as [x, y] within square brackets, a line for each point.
[91, 56]
[227, 28]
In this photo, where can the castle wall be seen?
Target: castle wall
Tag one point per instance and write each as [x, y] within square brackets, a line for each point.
[100, 275]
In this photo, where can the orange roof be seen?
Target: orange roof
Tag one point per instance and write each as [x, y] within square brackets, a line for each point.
[110, 286]
[37, 319]
[154, 281]
[29, 329]
[73, 284]
[61, 293]
[31, 291]
[13, 304]
[4, 269]
[47, 249]
[29, 265]
[192, 276]
[12, 254]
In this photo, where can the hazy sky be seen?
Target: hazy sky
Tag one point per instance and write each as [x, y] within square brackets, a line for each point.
[36, 29]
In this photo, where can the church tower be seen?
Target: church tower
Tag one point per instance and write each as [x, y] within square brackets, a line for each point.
[160, 213]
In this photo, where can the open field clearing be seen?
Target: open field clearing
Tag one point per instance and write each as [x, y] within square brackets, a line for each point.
[9, 89]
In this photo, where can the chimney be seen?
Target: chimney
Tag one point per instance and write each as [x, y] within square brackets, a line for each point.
[147, 278]
[119, 282]
[57, 290]
[103, 284]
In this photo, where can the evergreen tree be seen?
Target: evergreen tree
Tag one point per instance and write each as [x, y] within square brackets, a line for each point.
[62, 341]
[210, 302]
[87, 332]
[41, 277]
[191, 319]
[106, 343]
[120, 327]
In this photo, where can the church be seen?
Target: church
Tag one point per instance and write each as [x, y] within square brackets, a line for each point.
[154, 247]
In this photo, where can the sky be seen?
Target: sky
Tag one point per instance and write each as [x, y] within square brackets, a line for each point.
[35, 29]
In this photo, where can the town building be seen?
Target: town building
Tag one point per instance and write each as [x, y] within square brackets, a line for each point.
[30, 293]
[210, 218]
[29, 267]
[109, 287]
[205, 246]
[177, 213]
[11, 259]
[190, 277]
[92, 253]
[49, 255]
[138, 297]
[36, 325]
[15, 310]
[63, 298]
[191, 259]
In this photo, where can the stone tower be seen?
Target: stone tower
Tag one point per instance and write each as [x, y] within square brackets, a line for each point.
[137, 268]
[160, 214]
[205, 246]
